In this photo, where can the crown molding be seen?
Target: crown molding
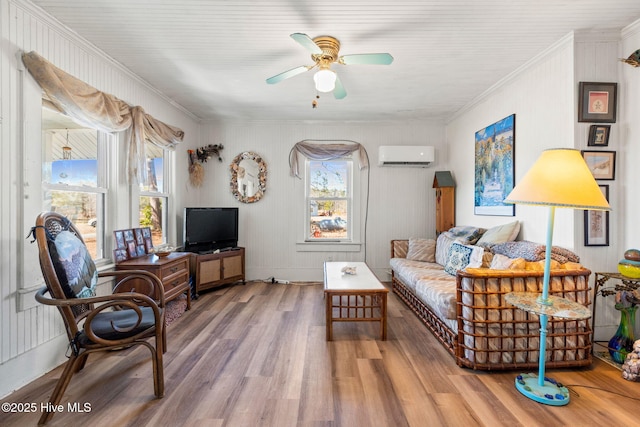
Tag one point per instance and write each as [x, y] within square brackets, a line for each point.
[630, 30]
[562, 43]
[75, 38]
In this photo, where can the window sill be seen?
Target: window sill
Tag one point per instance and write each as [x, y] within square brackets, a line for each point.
[328, 246]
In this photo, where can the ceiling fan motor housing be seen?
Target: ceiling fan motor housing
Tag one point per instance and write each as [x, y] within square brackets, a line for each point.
[330, 47]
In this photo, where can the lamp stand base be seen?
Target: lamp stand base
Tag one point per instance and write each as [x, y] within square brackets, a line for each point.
[550, 393]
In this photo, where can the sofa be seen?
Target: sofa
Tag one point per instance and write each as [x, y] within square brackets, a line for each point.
[456, 285]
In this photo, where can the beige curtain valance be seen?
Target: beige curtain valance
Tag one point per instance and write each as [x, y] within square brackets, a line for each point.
[325, 151]
[103, 111]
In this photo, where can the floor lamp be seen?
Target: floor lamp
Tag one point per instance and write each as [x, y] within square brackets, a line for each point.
[560, 178]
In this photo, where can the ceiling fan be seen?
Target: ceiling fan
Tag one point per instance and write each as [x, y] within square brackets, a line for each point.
[324, 52]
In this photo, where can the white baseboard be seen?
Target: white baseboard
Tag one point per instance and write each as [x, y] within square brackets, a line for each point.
[23, 369]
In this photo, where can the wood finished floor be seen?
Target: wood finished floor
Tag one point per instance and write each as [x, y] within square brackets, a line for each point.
[256, 355]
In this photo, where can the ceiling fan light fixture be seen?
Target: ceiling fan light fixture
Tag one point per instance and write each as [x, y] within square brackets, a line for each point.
[325, 80]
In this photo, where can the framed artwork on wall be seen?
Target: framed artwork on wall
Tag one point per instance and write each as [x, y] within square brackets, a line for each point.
[596, 224]
[599, 135]
[494, 168]
[597, 102]
[602, 164]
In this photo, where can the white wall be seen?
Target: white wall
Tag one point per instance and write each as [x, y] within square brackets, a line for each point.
[32, 340]
[628, 140]
[401, 200]
[541, 95]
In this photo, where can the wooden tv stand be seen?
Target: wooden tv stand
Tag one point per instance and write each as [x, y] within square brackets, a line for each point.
[213, 270]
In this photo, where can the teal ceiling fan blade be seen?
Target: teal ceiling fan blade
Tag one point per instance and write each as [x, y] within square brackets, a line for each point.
[307, 43]
[367, 58]
[339, 91]
[288, 74]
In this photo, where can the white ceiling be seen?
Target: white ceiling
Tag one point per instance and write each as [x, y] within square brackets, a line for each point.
[213, 56]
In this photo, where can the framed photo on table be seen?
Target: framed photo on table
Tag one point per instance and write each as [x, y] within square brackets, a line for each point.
[599, 135]
[602, 164]
[596, 224]
[597, 102]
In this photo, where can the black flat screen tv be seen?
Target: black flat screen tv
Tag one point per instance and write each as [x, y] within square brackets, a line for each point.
[210, 229]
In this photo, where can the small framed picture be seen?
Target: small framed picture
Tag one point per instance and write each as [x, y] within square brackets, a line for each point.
[148, 244]
[119, 239]
[599, 135]
[131, 249]
[139, 236]
[146, 232]
[128, 235]
[140, 250]
[602, 164]
[597, 102]
[596, 224]
[120, 255]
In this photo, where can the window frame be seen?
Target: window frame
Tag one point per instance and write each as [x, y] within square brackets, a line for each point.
[104, 162]
[351, 244]
[165, 195]
[348, 199]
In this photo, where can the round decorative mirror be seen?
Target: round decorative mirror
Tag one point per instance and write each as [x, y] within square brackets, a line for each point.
[248, 177]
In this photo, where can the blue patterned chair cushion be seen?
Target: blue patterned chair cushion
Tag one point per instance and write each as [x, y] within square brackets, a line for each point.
[74, 266]
[463, 256]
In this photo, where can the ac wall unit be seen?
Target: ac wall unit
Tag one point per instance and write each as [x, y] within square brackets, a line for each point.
[405, 155]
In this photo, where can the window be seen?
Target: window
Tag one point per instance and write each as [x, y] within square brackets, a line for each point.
[153, 196]
[329, 200]
[73, 176]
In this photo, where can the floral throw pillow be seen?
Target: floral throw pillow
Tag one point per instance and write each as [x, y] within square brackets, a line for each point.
[74, 266]
[463, 256]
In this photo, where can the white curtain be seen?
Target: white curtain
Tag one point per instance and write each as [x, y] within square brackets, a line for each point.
[325, 151]
[103, 111]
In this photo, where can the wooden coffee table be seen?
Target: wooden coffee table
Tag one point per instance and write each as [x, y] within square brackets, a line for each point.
[356, 297]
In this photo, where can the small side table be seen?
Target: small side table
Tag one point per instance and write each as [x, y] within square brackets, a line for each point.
[623, 283]
[539, 387]
[172, 270]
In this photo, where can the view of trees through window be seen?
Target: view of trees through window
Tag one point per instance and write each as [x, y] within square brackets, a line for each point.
[329, 199]
[151, 215]
[153, 200]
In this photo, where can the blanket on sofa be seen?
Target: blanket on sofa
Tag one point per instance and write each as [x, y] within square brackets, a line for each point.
[531, 251]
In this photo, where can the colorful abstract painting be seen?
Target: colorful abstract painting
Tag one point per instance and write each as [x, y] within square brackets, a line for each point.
[494, 170]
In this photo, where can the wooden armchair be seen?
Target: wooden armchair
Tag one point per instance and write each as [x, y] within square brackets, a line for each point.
[96, 323]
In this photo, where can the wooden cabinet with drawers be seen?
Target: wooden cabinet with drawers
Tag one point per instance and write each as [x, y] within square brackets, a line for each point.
[213, 270]
[172, 270]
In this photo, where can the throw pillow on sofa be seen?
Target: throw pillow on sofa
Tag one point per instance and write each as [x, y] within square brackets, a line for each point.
[443, 244]
[463, 256]
[500, 234]
[422, 250]
[467, 234]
